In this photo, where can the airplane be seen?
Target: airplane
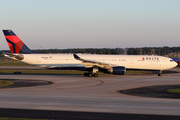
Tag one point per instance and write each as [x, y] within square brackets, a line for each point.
[92, 63]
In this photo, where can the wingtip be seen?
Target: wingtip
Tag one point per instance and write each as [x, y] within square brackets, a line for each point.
[76, 57]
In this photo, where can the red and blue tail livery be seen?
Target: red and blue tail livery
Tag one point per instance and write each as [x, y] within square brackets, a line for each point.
[15, 44]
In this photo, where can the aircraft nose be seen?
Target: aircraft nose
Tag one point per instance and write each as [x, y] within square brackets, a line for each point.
[174, 64]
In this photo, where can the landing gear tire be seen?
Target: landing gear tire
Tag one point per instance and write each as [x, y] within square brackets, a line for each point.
[85, 74]
[159, 74]
[90, 74]
[95, 75]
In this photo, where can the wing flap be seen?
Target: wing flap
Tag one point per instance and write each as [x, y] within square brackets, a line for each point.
[91, 63]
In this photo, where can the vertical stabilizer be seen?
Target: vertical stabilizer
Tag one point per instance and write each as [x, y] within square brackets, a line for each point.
[15, 44]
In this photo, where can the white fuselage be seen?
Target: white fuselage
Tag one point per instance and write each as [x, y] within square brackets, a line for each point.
[128, 61]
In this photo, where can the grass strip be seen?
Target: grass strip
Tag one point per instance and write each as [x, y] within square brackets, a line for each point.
[63, 72]
[137, 72]
[5, 83]
[13, 64]
[21, 119]
[43, 72]
[174, 91]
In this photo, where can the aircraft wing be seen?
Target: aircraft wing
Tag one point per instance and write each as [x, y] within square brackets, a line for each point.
[92, 63]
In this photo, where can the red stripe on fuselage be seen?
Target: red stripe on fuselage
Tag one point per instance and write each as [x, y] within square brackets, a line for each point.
[18, 43]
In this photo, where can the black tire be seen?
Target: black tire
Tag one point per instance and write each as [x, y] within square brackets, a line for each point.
[85, 74]
[90, 74]
[159, 74]
[95, 75]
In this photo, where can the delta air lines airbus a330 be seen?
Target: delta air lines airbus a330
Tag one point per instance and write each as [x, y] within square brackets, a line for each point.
[92, 63]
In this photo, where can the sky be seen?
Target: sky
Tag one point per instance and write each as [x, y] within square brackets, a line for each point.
[62, 24]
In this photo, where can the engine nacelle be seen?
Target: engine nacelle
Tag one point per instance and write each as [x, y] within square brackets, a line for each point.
[119, 70]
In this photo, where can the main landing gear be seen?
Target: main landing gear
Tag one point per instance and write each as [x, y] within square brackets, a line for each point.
[93, 73]
[90, 74]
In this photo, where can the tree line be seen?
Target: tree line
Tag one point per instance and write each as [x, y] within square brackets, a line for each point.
[153, 50]
[130, 51]
[83, 50]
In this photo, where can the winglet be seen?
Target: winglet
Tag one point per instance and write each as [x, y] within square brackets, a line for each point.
[76, 57]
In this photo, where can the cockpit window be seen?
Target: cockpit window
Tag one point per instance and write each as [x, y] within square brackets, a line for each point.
[171, 60]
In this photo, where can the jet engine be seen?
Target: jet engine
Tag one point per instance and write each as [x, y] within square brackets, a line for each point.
[118, 70]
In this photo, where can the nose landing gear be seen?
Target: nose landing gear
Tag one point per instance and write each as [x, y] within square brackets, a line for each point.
[159, 73]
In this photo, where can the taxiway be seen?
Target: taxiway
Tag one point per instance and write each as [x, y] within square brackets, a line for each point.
[79, 93]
